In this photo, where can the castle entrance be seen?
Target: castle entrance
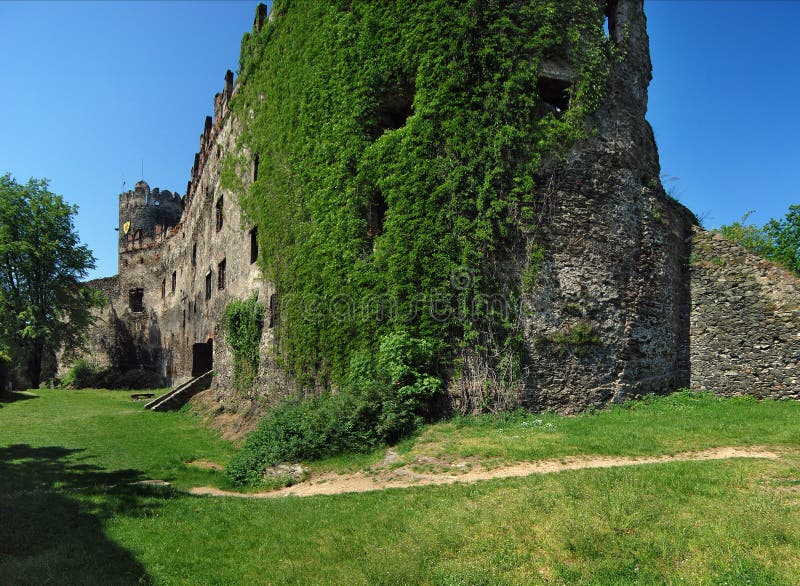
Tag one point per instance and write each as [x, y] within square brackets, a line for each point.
[202, 357]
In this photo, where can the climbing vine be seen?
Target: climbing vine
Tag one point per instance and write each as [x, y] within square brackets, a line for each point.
[243, 322]
[398, 145]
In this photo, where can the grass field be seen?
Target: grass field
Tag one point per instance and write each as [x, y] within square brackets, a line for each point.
[70, 515]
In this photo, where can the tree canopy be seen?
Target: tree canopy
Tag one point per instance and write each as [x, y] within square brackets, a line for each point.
[777, 240]
[45, 305]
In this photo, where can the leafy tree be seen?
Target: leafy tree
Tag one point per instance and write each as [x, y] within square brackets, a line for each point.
[45, 307]
[777, 240]
[785, 236]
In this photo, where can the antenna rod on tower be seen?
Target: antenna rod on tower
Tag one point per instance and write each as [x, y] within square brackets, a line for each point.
[142, 169]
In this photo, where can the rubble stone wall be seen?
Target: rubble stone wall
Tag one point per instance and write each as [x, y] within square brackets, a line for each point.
[745, 322]
[191, 256]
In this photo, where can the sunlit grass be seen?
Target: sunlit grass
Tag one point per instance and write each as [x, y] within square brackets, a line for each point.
[114, 432]
[70, 514]
[664, 425]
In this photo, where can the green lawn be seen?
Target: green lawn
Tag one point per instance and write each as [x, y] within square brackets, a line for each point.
[109, 431]
[69, 515]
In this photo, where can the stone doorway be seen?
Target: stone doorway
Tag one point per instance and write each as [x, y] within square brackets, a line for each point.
[202, 357]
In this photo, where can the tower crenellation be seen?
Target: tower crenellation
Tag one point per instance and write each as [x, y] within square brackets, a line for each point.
[146, 214]
[211, 129]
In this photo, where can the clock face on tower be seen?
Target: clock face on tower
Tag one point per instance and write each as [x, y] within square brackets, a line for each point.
[126, 227]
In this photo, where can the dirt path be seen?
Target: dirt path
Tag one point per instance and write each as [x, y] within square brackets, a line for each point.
[405, 477]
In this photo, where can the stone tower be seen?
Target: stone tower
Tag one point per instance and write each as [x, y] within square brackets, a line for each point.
[145, 216]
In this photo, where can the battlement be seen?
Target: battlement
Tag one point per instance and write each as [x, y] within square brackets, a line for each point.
[146, 215]
[208, 138]
[261, 14]
[142, 195]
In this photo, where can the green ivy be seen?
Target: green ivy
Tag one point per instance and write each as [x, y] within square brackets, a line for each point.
[430, 108]
[243, 322]
[385, 399]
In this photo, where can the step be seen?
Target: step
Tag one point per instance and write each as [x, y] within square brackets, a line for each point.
[176, 398]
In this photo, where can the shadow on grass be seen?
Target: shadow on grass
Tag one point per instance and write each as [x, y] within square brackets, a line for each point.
[14, 396]
[53, 509]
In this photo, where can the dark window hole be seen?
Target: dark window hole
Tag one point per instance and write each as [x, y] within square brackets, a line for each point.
[136, 300]
[554, 95]
[396, 105]
[376, 214]
[253, 245]
[610, 20]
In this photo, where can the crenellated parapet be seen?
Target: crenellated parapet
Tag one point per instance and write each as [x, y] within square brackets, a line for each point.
[211, 129]
[145, 216]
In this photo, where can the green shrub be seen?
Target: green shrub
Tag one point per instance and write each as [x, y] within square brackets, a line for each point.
[84, 375]
[384, 401]
[304, 429]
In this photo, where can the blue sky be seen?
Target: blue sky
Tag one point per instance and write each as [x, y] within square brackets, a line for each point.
[92, 89]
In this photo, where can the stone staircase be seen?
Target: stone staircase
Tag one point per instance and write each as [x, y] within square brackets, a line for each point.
[176, 398]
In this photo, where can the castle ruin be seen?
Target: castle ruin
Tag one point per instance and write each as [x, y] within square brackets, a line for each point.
[661, 303]
[181, 260]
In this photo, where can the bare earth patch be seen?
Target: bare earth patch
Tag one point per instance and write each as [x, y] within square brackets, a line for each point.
[408, 475]
[205, 465]
[233, 426]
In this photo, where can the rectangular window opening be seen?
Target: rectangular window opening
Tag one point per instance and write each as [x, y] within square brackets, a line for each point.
[208, 285]
[136, 300]
[221, 275]
[273, 309]
[174, 280]
[376, 214]
[219, 213]
[610, 20]
[253, 245]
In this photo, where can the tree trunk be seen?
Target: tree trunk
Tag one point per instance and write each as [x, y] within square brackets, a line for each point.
[4, 376]
[35, 364]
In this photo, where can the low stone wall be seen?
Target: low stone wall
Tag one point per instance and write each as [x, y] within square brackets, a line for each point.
[745, 322]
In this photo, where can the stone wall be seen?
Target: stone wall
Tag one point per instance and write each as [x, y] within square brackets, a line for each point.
[607, 317]
[745, 322]
[622, 303]
[100, 342]
[192, 257]
[270, 385]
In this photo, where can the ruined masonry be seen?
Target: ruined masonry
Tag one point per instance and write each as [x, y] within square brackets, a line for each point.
[668, 304]
[181, 260]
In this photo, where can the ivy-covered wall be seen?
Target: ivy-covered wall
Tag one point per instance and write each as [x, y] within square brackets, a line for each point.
[397, 147]
[477, 174]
